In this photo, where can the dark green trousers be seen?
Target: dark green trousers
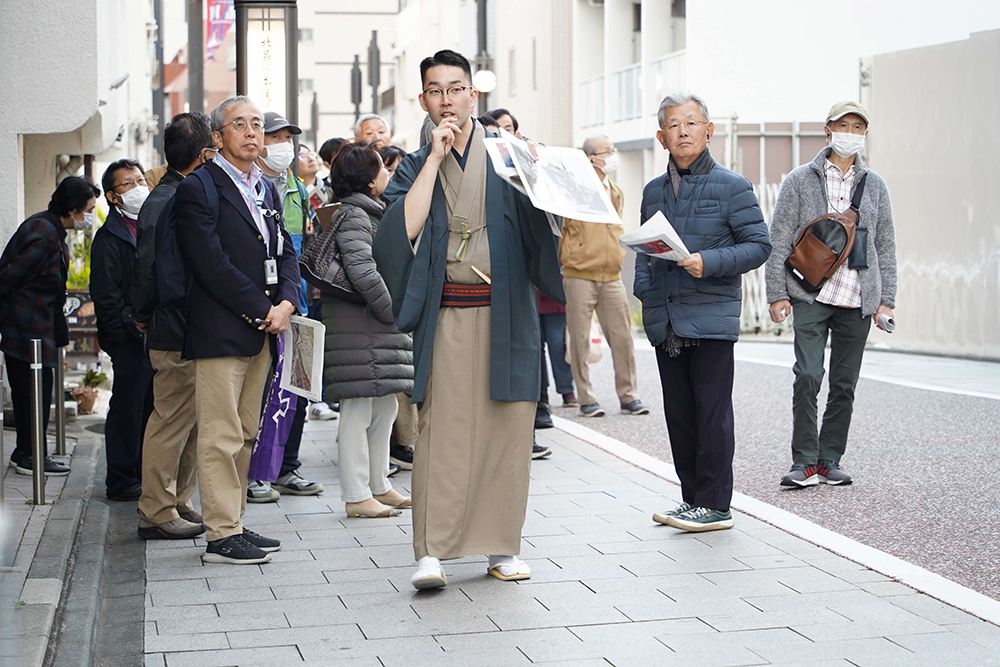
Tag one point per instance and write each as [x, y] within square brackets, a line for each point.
[847, 331]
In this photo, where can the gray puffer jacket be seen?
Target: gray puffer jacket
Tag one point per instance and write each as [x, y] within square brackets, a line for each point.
[366, 355]
[802, 199]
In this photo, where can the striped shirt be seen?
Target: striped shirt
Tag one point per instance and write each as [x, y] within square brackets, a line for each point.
[843, 289]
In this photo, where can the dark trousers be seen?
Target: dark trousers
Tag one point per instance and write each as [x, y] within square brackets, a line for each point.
[19, 374]
[553, 328]
[698, 404]
[290, 459]
[848, 333]
[131, 405]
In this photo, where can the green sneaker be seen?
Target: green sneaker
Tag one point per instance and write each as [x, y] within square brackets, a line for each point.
[701, 519]
[662, 518]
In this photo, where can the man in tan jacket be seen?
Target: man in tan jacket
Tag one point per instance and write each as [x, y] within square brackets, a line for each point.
[592, 264]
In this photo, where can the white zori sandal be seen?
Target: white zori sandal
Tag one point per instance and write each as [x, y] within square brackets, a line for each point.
[429, 574]
[508, 568]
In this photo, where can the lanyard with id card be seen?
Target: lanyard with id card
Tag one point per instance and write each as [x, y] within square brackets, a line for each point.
[271, 263]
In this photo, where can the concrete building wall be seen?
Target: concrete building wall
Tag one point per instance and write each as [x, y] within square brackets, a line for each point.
[74, 81]
[935, 141]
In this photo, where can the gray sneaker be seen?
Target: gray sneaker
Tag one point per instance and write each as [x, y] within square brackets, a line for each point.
[261, 492]
[831, 473]
[701, 519]
[293, 484]
[635, 408]
[591, 410]
[801, 475]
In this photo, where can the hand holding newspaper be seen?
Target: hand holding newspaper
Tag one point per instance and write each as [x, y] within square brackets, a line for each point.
[656, 238]
[560, 182]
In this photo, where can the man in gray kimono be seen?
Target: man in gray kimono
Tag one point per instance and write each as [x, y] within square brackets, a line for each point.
[461, 252]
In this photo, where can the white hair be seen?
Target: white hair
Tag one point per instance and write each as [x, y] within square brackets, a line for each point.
[364, 119]
[219, 112]
[676, 100]
[590, 143]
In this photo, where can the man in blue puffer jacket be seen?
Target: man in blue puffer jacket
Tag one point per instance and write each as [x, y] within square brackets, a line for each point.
[691, 308]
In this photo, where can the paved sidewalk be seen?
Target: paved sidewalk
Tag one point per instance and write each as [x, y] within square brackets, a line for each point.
[609, 587]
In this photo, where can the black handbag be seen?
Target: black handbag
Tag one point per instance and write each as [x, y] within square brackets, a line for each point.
[322, 267]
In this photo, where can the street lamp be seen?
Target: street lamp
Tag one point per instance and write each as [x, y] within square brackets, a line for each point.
[267, 55]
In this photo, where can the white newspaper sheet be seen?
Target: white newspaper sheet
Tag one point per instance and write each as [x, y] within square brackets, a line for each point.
[561, 182]
[302, 372]
[656, 238]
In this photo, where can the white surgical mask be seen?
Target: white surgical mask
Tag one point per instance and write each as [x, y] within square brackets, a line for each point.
[279, 156]
[610, 164]
[846, 144]
[133, 199]
[85, 224]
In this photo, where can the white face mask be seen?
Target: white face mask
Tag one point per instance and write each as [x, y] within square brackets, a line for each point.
[133, 199]
[279, 156]
[610, 164]
[846, 144]
[85, 224]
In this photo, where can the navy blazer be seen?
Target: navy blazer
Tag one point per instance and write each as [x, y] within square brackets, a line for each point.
[226, 259]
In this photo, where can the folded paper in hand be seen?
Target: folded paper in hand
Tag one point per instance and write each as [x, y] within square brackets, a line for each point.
[656, 238]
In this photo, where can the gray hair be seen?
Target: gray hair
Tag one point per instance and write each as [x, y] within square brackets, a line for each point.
[219, 112]
[590, 143]
[676, 100]
[364, 119]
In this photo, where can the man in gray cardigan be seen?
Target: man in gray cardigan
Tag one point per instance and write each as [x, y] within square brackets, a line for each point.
[845, 305]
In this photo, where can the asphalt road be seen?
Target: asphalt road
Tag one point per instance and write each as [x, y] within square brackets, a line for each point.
[927, 479]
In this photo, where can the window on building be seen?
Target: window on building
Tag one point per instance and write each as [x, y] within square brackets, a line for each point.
[636, 17]
[305, 34]
[512, 73]
[305, 85]
[678, 9]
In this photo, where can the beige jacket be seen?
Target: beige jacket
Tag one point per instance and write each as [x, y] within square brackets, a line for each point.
[590, 250]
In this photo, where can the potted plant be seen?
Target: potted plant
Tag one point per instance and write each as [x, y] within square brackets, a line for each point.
[86, 394]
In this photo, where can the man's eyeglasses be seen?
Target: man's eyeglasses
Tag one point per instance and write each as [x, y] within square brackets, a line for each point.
[604, 154]
[452, 92]
[688, 125]
[130, 183]
[240, 125]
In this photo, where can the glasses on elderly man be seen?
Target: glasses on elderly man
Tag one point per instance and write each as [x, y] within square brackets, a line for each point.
[604, 154]
[688, 125]
[130, 183]
[240, 124]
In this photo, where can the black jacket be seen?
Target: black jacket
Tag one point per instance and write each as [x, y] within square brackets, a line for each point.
[112, 258]
[226, 258]
[166, 325]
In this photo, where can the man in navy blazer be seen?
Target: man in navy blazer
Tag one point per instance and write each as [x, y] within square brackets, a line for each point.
[245, 282]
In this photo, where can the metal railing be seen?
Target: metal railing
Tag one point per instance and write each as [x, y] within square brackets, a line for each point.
[627, 85]
[37, 425]
[669, 75]
[592, 102]
[755, 316]
[3, 470]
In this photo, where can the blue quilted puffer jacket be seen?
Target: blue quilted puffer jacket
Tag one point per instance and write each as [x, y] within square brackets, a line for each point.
[717, 215]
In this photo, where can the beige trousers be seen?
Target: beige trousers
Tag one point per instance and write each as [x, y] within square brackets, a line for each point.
[169, 447]
[405, 429]
[228, 395]
[363, 440]
[609, 300]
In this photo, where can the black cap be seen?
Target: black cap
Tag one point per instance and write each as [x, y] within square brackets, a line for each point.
[274, 121]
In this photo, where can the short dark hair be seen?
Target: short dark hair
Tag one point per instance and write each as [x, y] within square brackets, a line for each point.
[184, 137]
[497, 114]
[72, 194]
[354, 167]
[109, 178]
[488, 121]
[445, 57]
[391, 153]
[330, 148]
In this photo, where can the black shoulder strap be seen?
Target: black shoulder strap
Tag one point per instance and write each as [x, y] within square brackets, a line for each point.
[858, 192]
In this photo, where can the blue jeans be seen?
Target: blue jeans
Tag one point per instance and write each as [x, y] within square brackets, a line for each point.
[553, 327]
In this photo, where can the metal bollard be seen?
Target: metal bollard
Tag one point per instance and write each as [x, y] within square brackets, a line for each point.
[60, 404]
[3, 460]
[37, 425]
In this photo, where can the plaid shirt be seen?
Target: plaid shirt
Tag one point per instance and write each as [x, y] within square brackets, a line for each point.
[33, 272]
[843, 289]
